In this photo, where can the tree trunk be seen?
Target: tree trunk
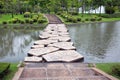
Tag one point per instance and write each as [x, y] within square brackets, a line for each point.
[100, 11]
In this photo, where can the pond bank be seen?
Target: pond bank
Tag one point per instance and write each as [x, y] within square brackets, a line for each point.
[22, 26]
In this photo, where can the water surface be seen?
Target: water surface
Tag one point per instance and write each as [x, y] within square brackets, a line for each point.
[14, 44]
[97, 42]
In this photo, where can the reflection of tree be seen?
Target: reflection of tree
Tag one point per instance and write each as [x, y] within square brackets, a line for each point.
[100, 37]
[14, 43]
[93, 39]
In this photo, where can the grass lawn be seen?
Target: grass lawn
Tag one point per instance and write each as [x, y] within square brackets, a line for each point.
[20, 19]
[12, 70]
[8, 17]
[107, 67]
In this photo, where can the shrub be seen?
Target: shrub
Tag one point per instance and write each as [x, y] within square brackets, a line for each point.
[9, 22]
[109, 10]
[14, 21]
[31, 21]
[4, 22]
[27, 20]
[116, 69]
[106, 16]
[69, 19]
[115, 15]
[40, 15]
[41, 20]
[93, 19]
[78, 19]
[59, 13]
[83, 21]
[4, 69]
[86, 19]
[35, 16]
[22, 22]
[27, 14]
[74, 20]
[99, 19]
[34, 20]
[74, 13]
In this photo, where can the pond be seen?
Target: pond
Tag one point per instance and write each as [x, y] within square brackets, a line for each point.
[97, 42]
[14, 44]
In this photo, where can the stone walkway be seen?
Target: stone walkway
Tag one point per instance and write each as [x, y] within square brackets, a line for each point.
[61, 71]
[55, 46]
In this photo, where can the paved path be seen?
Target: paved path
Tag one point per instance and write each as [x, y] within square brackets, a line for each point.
[53, 19]
[55, 46]
[61, 71]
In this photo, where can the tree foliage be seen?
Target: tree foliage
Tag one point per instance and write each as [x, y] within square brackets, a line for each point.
[54, 6]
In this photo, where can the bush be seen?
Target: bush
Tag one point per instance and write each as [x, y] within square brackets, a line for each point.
[34, 20]
[115, 15]
[99, 19]
[31, 21]
[109, 10]
[116, 69]
[27, 20]
[4, 22]
[4, 69]
[41, 20]
[9, 22]
[83, 21]
[74, 13]
[106, 16]
[78, 19]
[27, 14]
[93, 19]
[74, 20]
[22, 22]
[86, 19]
[14, 21]
[59, 13]
[35, 16]
[69, 19]
[40, 15]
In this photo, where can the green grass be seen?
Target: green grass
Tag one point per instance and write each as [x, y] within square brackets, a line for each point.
[8, 17]
[107, 67]
[12, 70]
[3, 67]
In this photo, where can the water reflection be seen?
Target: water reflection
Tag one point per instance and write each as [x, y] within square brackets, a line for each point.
[98, 42]
[14, 45]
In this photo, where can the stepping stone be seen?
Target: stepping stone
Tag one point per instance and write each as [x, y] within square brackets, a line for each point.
[63, 33]
[45, 42]
[46, 35]
[33, 59]
[42, 51]
[61, 38]
[37, 46]
[63, 45]
[64, 56]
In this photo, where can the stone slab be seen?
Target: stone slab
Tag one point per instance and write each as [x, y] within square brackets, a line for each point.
[63, 56]
[45, 42]
[42, 51]
[61, 38]
[37, 46]
[63, 45]
[33, 59]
